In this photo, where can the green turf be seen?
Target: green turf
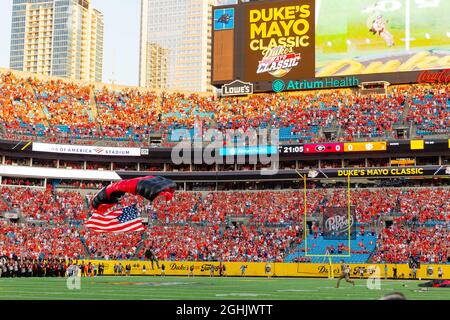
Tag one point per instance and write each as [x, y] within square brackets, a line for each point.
[343, 20]
[199, 288]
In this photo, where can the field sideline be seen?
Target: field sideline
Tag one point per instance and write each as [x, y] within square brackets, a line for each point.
[205, 288]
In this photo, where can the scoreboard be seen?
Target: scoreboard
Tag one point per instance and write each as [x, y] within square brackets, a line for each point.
[364, 146]
[367, 147]
[335, 147]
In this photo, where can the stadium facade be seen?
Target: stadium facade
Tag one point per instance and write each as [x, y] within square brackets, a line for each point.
[57, 38]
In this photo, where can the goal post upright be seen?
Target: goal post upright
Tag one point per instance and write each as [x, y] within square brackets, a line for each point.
[305, 235]
[349, 219]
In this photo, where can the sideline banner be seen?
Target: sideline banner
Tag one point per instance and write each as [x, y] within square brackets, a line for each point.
[258, 269]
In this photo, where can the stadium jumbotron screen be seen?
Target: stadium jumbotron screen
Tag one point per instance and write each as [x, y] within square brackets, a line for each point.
[295, 40]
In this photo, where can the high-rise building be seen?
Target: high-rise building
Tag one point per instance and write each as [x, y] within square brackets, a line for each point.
[157, 63]
[183, 29]
[61, 38]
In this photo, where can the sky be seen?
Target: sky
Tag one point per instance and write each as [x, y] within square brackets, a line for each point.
[121, 38]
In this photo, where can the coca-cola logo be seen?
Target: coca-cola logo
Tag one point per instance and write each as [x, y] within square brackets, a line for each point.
[338, 223]
[428, 76]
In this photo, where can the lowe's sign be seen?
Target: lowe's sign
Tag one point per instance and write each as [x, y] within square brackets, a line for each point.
[237, 88]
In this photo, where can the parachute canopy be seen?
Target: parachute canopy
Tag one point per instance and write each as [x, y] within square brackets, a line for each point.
[148, 187]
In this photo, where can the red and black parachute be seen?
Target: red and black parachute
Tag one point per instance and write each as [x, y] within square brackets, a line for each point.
[148, 187]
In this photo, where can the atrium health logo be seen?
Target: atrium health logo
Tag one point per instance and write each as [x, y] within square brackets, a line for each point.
[278, 85]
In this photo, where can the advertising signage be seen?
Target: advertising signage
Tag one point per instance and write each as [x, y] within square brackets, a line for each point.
[237, 88]
[279, 40]
[441, 76]
[367, 147]
[311, 44]
[86, 150]
[335, 147]
[379, 172]
[326, 83]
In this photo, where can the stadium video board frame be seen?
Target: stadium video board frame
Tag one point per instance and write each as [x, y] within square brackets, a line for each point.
[291, 45]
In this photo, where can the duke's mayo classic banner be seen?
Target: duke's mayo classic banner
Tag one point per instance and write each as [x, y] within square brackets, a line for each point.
[279, 40]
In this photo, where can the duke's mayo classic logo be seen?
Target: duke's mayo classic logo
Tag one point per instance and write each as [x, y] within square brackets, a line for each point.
[279, 34]
[278, 61]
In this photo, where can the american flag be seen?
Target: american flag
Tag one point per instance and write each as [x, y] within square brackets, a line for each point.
[119, 220]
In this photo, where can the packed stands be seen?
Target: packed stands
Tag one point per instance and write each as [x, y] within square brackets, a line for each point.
[397, 243]
[199, 225]
[59, 111]
[430, 110]
[111, 246]
[226, 226]
[46, 205]
[180, 243]
[34, 241]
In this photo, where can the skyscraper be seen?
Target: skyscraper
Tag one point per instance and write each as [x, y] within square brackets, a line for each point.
[183, 29]
[157, 63]
[61, 38]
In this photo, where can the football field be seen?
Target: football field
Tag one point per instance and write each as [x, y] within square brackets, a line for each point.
[205, 288]
[343, 34]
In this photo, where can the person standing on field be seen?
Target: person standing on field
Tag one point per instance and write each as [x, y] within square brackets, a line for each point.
[345, 269]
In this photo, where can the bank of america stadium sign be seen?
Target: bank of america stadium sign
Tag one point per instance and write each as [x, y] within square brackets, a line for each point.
[87, 150]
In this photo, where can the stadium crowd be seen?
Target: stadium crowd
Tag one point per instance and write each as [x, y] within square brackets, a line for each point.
[40, 241]
[34, 108]
[201, 225]
[17, 267]
[46, 205]
[398, 243]
[198, 225]
[190, 243]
